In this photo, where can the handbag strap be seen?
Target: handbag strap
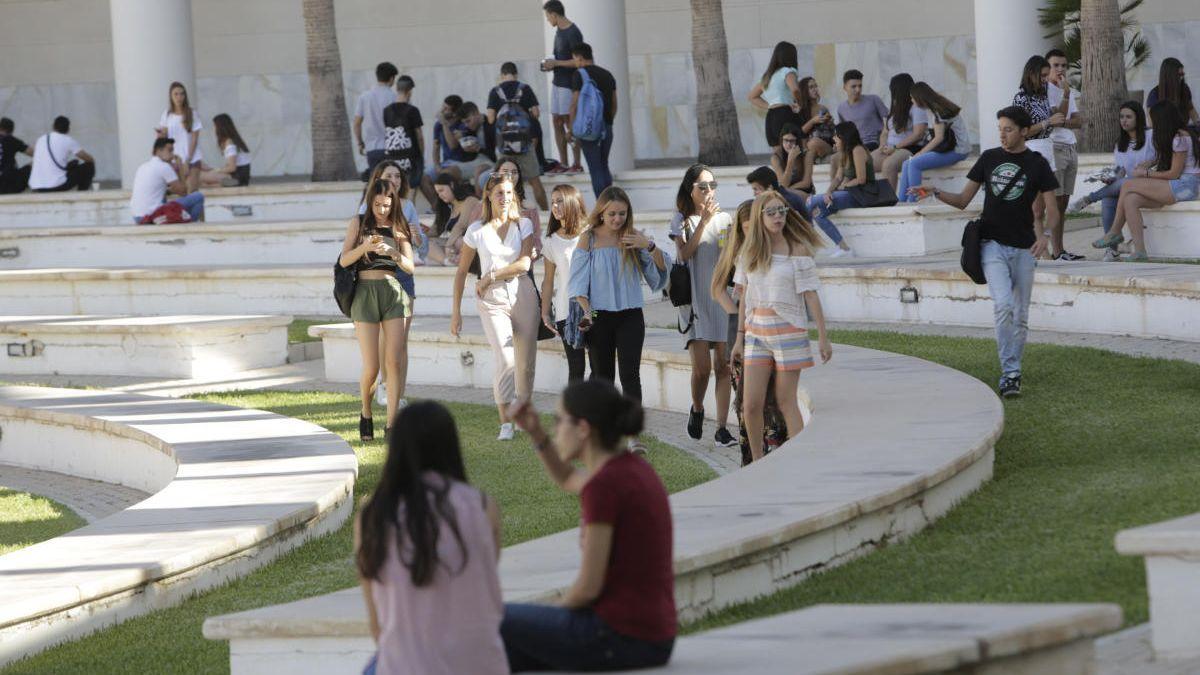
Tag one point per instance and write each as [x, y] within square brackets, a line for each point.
[51, 153]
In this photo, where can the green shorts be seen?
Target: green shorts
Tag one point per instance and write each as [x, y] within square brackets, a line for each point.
[377, 300]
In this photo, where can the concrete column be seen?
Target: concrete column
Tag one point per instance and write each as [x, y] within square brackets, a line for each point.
[1007, 33]
[603, 27]
[152, 47]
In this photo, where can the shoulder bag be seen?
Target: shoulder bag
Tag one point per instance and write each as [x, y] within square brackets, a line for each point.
[868, 195]
[679, 286]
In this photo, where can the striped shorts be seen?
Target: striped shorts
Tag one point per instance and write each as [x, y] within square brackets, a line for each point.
[772, 341]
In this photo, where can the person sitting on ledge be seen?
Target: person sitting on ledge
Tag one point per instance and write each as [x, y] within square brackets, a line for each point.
[155, 177]
[764, 178]
[619, 613]
[426, 545]
[59, 162]
[13, 179]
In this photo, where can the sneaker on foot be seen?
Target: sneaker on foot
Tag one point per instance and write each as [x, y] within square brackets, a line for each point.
[506, 432]
[842, 253]
[1010, 386]
[695, 424]
[575, 168]
[381, 393]
[1078, 205]
[724, 439]
[1111, 255]
[1068, 256]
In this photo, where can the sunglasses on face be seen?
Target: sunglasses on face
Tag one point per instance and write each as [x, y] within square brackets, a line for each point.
[775, 211]
[706, 186]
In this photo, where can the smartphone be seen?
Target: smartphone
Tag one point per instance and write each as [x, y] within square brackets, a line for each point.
[585, 324]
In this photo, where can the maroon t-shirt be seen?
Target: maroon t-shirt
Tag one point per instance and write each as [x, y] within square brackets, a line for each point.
[638, 599]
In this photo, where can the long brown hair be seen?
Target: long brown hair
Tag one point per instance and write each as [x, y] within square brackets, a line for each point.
[227, 131]
[924, 96]
[395, 218]
[805, 100]
[784, 56]
[514, 207]
[187, 105]
[732, 250]
[1171, 86]
[900, 87]
[612, 194]
[798, 232]
[575, 214]
[1031, 76]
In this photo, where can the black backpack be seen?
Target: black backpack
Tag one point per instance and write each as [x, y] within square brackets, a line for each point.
[514, 124]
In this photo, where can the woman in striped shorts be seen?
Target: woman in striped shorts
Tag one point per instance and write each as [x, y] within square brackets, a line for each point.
[780, 281]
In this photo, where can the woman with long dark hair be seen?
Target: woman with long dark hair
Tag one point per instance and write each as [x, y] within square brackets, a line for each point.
[456, 203]
[234, 150]
[817, 130]
[1175, 177]
[1173, 87]
[619, 613]
[378, 245]
[1134, 150]
[426, 550]
[504, 295]
[777, 92]
[608, 268]
[853, 168]
[788, 160]
[700, 229]
[180, 122]
[568, 220]
[950, 142]
[904, 129]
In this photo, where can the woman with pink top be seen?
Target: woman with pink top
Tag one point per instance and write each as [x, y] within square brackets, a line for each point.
[426, 547]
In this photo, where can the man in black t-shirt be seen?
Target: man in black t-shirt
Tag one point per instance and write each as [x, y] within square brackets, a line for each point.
[13, 179]
[403, 140]
[567, 35]
[1013, 177]
[596, 152]
[524, 152]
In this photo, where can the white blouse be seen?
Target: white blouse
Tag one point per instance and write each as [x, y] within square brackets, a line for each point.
[558, 250]
[495, 253]
[780, 287]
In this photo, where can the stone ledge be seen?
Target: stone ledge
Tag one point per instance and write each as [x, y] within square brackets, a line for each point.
[244, 487]
[1172, 552]
[1180, 536]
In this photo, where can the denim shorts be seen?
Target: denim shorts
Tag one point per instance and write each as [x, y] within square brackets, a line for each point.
[1186, 187]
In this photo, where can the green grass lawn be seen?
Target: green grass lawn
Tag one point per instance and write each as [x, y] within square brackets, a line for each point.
[26, 519]
[298, 328]
[1098, 442]
[170, 641]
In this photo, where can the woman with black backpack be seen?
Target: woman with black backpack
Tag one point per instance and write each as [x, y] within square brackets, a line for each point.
[949, 144]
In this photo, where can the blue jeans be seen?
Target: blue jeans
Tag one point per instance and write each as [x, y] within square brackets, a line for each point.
[1107, 196]
[820, 212]
[193, 204]
[596, 154]
[1009, 273]
[910, 171]
[542, 637]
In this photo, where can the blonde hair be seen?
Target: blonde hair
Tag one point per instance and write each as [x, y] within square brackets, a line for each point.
[512, 212]
[612, 194]
[732, 250]
[798, 232]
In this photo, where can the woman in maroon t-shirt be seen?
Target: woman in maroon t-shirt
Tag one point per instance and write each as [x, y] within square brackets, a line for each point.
[620, 612]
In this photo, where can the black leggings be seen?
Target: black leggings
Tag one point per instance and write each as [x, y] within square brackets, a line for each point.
[615, 343]
[576, 358]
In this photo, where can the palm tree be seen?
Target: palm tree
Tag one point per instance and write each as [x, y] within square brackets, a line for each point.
[332, 158]
[1102, 61]
[1062, 21]
[716, 115]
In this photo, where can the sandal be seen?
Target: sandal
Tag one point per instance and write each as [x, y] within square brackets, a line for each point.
[366, 428]
[1109, 240]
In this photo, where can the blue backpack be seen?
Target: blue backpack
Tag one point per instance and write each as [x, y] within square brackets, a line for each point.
[589, 111]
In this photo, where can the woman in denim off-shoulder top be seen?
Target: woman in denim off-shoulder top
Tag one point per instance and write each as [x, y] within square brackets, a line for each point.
[780, 281]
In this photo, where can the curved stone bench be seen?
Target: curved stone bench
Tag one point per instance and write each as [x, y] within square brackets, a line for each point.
[1172, 553]
[232, 490]
[875, 465]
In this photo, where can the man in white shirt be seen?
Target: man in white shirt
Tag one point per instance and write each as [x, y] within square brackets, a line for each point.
[369, 129]
[59, 162]
[155, 177]
[1066, 159]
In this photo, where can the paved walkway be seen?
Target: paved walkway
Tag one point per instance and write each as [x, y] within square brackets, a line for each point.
[91, 499]
[1128, 652]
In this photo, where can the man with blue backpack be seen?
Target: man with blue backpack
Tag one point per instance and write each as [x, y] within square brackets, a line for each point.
[593, 107]
[513, 114]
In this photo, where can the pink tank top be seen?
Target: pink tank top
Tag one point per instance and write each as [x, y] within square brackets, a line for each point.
[451, 626]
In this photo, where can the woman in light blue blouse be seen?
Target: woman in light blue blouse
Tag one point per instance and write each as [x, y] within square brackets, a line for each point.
[607, 270]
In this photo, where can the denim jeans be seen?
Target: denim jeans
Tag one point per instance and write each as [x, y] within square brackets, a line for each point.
[596, 154]
[193, 204]
[910, 171]
[543, 637]
[820, 212]
[1107, 196]
[1009, 273]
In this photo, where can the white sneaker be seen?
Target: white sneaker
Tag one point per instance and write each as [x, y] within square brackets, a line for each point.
[842, 253]
[381, 392]
[1111, 255]
[1078, 205]
[506, 432]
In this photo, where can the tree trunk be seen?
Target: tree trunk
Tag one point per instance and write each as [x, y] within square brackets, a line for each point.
[716, 115]
[1102, 50]
[332, 157]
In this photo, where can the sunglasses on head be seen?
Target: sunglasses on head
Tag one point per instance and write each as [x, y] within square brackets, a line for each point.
[775, 211]
[706, 186]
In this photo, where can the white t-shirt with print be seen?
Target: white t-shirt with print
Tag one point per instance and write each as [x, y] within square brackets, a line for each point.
[150, 183]
[231, 150]
[1054, 95]
[47, 159]
[495, 253]
[558, 250]
[173, 123]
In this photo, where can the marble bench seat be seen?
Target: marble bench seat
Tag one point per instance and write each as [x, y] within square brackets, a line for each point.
[844, 486]
[165, 346]
[1172, 553]
[232, 489]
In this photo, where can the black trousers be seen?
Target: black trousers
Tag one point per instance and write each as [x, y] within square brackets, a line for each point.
[576, 358]
[79, 177]
[15, 181]
[614, 345]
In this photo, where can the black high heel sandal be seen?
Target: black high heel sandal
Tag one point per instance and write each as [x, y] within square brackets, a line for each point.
[366, 428]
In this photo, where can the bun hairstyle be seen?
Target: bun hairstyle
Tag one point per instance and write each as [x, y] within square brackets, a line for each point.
[611, 414]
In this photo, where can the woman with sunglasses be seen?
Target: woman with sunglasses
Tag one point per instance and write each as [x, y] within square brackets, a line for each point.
[700, 229]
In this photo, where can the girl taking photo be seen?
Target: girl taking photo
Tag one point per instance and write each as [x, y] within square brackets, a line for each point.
[780, 281]
[568, 220]
[817, 130]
